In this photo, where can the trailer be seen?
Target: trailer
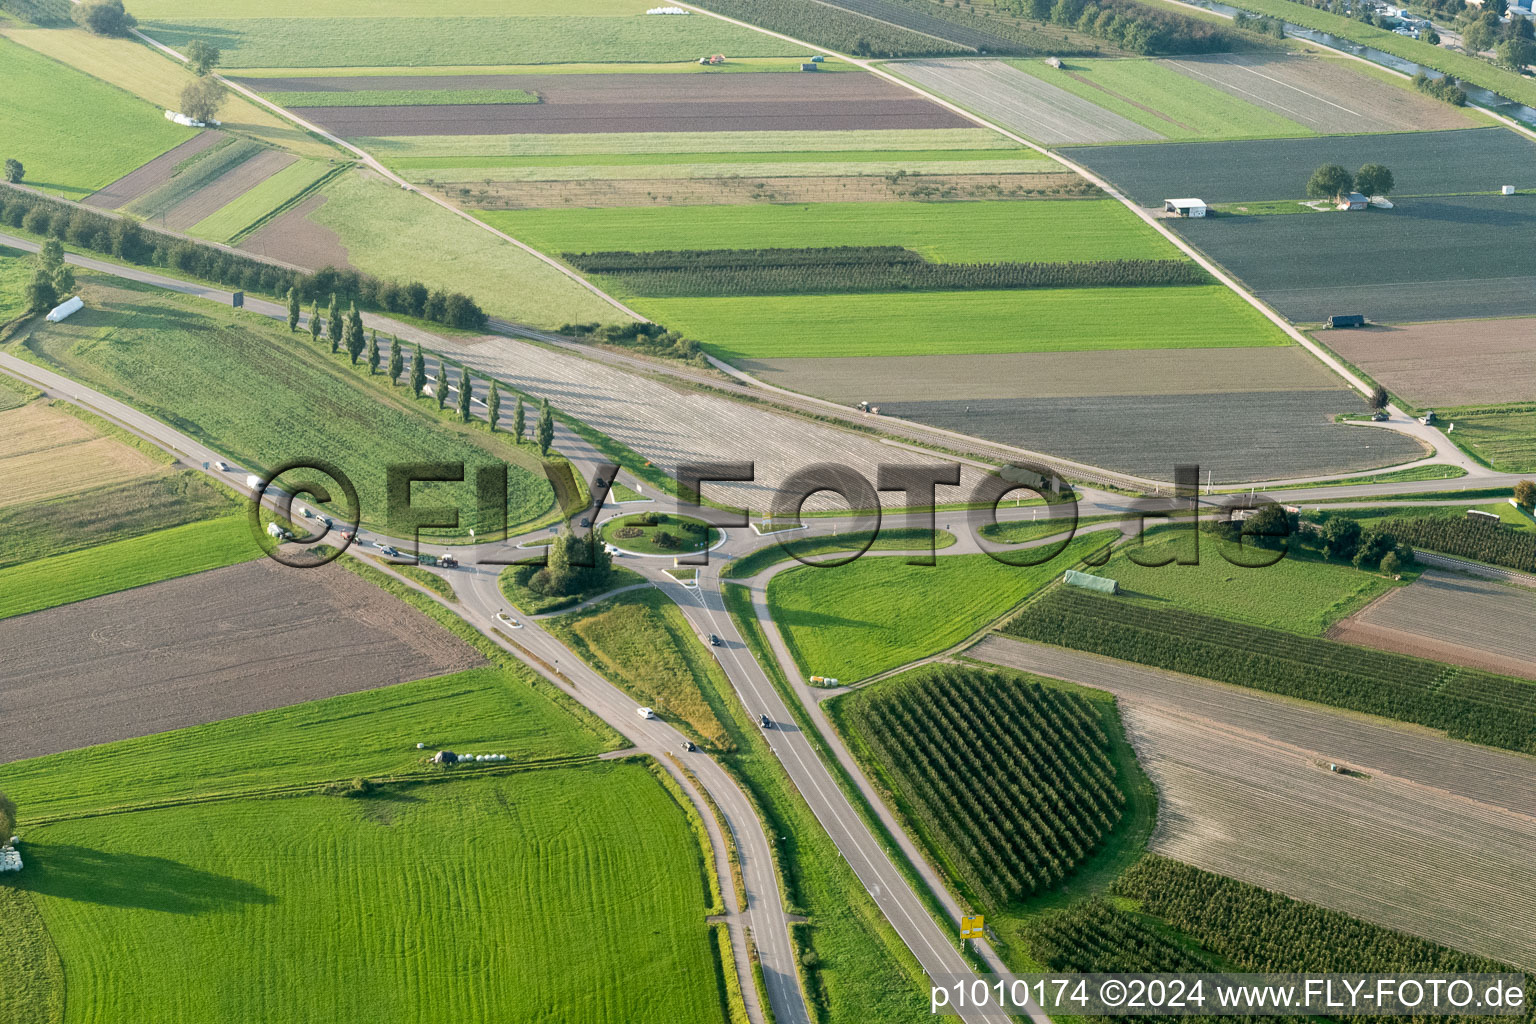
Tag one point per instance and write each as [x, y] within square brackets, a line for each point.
[1346, 320]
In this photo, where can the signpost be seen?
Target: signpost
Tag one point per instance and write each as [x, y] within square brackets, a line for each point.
[970, 928]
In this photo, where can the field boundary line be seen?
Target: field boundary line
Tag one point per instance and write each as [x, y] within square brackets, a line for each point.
[1204, 262]
[376, 166]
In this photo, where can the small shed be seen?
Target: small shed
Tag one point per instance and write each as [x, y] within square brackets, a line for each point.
[64, 309]
[808, 66]
[10, 860]
[1353, 201]
[1102, 584]
[1184, 207]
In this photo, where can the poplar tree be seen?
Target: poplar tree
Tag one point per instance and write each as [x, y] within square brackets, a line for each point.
[466, 390]
[442, 384]
[314, 322]
[493, 405]
[418, 373]
[293, 310]
[396, 360]
[355, 339]
[546, 429]
[335, 325]
[373, 353]
[519, 420]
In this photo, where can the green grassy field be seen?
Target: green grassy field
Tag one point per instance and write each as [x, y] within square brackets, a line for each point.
[228, 911]
[1300, 594]
[736, 65]
[73, 133]
[962, 232]
[1191, 109]
[396, 235]
[15, 272]
[243, 212]
[688, 534]
[372, 734]
[640, 642]
[874, 614]
[247, 387]
[803, 546]
[647, 144]
[122, 565]
[531, 602]
[330, 41]
[402, 97]
[31, 977]
[1504, 437]
[113, 512]
[941, 323]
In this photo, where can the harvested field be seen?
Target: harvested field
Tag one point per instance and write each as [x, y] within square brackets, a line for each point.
[1029, 375]
[295, 238]
[1023, 103]
[1236, 435]
[1428, 259]
[45, 453]
[1327, 95]
[726, 165]
[1452, 618]
[1424, 163]
[914, 17]
[863, 188]
[143, 180]
[1456, 362]
[1429, 836]
[410, 151]
[648, 103]
[251, 207]
[226, 188]
[206, 647]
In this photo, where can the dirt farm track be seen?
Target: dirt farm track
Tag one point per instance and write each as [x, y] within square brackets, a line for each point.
[633, 103]
[1427, 835]
[204, 648]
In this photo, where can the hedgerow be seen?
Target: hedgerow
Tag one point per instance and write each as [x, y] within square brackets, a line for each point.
[1468, 704]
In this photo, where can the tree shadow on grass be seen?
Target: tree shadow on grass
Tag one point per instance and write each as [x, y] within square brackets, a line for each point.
[110, 879]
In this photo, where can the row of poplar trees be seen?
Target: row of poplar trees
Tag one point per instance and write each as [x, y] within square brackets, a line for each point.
[346, 330]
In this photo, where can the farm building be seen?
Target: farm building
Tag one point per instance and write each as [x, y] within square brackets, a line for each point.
[64, 309]
[1353, 201]
[1087, 581]
[10, 860]
[1184, 207]
[1346, 320]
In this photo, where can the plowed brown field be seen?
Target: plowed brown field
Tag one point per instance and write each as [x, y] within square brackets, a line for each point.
[1452, 362]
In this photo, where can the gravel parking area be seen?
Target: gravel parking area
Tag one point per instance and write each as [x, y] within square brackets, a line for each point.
[633, 103]
[1323, 94]
[1454, 362]
[203, 648]
[1022, 102]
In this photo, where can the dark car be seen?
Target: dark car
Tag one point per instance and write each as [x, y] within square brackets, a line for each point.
[715, 641]
[688, 746]
[585, 522]
[762, 720]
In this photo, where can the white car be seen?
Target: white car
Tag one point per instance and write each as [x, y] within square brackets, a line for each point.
[645, 712]
[222, 467]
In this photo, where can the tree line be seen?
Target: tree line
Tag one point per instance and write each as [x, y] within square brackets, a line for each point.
[1132, 26]
[1464, 538]
[126, 239]
[622, 261]
[650, 339]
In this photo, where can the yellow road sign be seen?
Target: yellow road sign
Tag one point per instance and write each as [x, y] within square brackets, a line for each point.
[970, 927]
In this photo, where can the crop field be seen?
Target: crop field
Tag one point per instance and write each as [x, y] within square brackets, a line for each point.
[108, 512]
[395, 235]
[1423, 163]
[1032, 320]
[1321, 94]
[57, 121]
[247, 209]
[135, 67]
[540, 170]
[321, 38]
[1469, 704]
[293, 237]
[944, 232]
[15, 272]
[140, 181]
[1246, 792]
[46, 452]
[1483, 265]
[641, 642]
[1019, 805]
[1453, 362]
[622, 103]
[173, 358]
[856, 620]
[1024, 103]
[1502, 436]
[657, 147]
[227, 911]
[1465, 621]
[193, 174]
[1154, 95]
[227, 188]
[395, 97]
[125, 564]
[206, 647]
[1299, 594]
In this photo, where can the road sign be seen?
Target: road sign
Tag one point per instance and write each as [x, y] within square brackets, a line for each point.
[970, 927]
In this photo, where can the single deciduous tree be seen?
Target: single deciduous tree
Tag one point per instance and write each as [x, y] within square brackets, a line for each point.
[466, 390]
[1516, 53]
[1378, 399]
[519, 420]
[14, 171]
[201, 100]
[104, 18]
[1391, 565]
[493, 405]
[396, 360]
[1374, 180]
[546, 428]
[1329, 181]
[293, 310]
[1525, 493]
[373, 353]
[203, 56]
[418, 373]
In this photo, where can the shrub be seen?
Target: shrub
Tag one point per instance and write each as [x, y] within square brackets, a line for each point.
[105, 18]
